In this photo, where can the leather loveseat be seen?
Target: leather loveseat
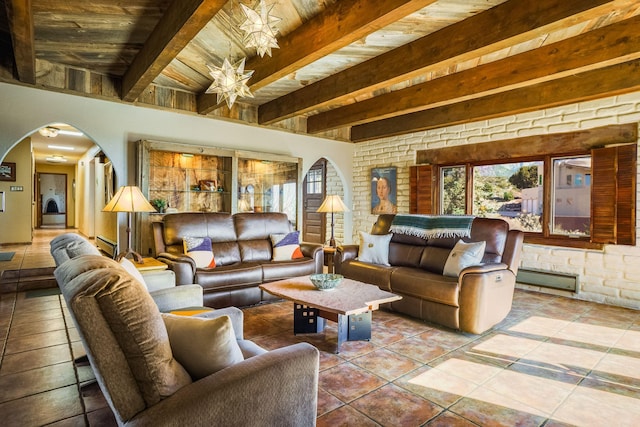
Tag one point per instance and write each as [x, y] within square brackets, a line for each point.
[242, 248]
[474, 301]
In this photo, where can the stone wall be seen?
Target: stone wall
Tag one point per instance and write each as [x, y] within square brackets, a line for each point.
[334, 186]
[611, 275]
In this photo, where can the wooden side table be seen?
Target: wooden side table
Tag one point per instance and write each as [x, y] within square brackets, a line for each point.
[150, 264]
[329, 254]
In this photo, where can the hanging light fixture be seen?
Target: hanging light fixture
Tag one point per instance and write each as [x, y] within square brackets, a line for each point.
[259, 28]
[49, 131]
[230, 81]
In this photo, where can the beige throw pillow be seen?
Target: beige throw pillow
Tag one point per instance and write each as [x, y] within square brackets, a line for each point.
[463, 255]
[374, 248]
[203, 346]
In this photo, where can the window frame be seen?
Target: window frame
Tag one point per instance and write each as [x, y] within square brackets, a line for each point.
[621, 138]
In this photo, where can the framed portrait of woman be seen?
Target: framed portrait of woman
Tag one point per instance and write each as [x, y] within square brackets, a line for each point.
[383, 190]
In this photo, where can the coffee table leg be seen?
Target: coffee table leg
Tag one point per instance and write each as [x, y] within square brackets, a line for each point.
[356, 327]
[306, 320]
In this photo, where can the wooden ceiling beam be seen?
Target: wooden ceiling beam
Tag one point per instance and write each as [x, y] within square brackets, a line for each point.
[613, 44]
[509, 23]
[339, 25]
[589, 85]
[182, 21]
[21, 27]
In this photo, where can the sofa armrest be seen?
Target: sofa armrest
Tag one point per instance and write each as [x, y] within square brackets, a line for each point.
[159, 279]
[314, 251]
[277, 388]
[183, 266]
[486, 295]
[483, 268]
[235, 315]
[177, 297]
[344, 253]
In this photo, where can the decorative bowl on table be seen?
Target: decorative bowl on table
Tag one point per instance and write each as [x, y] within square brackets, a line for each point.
[325, 282]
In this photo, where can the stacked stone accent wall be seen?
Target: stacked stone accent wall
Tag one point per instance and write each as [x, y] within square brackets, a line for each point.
[611, 275]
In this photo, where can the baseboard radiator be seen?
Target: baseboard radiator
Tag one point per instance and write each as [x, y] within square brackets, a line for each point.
[107, 246]
[549, 279]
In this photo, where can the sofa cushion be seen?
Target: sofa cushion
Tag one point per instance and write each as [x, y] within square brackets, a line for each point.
[203, 346]
[424, 285]
[463, 255]
[199, 249]
[374, 248]
[286, 246]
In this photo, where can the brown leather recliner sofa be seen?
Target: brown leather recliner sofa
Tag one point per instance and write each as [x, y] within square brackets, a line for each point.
[243, 254]
[476, 300]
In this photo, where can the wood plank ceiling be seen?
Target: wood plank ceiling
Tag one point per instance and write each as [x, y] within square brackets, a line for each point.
[352, 70]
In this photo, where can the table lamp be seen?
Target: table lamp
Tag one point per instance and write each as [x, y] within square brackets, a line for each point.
[332, 203]
[129, 199]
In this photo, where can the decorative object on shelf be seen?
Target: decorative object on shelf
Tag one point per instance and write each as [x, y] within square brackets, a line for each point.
[49, 131]
[326, 282]
[129, 199]
[159, 204]
[332, 203]
[207, 185]
[230, 82]
[259, 28]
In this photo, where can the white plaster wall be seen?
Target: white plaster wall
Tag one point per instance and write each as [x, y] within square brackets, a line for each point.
[611, 275]
[116, 126]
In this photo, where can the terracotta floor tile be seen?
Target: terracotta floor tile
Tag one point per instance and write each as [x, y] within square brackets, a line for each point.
[604, 408]
[30, 328]
[436, 386]
[327, 402]
[595, 335]
[416, 349]
[54, 405]
[347, 382]
[37, 316]
[449, 419]
[487, 408]
[21, 384]
[535, 391]
[386, 364]
[32, 342]
[345, 416]
[32, 359]
[394, 406]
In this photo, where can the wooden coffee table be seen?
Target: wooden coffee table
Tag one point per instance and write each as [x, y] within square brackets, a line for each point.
[350, 304]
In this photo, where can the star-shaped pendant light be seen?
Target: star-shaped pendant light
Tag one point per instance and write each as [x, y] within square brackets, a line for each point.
[259, 28]
[230, 82]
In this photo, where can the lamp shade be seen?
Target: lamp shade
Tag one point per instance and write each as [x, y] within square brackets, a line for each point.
[333, 203]
[128, 199]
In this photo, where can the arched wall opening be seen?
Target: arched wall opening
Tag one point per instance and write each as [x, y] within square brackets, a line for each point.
[62, 181]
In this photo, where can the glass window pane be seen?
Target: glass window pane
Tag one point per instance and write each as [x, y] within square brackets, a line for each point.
[452, 181]
[571, 196]
[511, 191]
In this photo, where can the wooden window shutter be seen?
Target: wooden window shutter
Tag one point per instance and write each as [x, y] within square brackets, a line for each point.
[613, 195]
[421, 189]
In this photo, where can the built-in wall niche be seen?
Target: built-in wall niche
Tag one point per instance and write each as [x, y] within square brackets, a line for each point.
[190, 178]
[268, 186]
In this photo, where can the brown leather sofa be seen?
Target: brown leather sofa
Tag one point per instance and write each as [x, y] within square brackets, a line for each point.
[243, 254]
[473, 302]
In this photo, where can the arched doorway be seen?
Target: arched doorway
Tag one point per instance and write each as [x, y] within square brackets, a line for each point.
[63, 178]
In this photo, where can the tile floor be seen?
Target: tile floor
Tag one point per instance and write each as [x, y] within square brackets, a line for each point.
[554, 362]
